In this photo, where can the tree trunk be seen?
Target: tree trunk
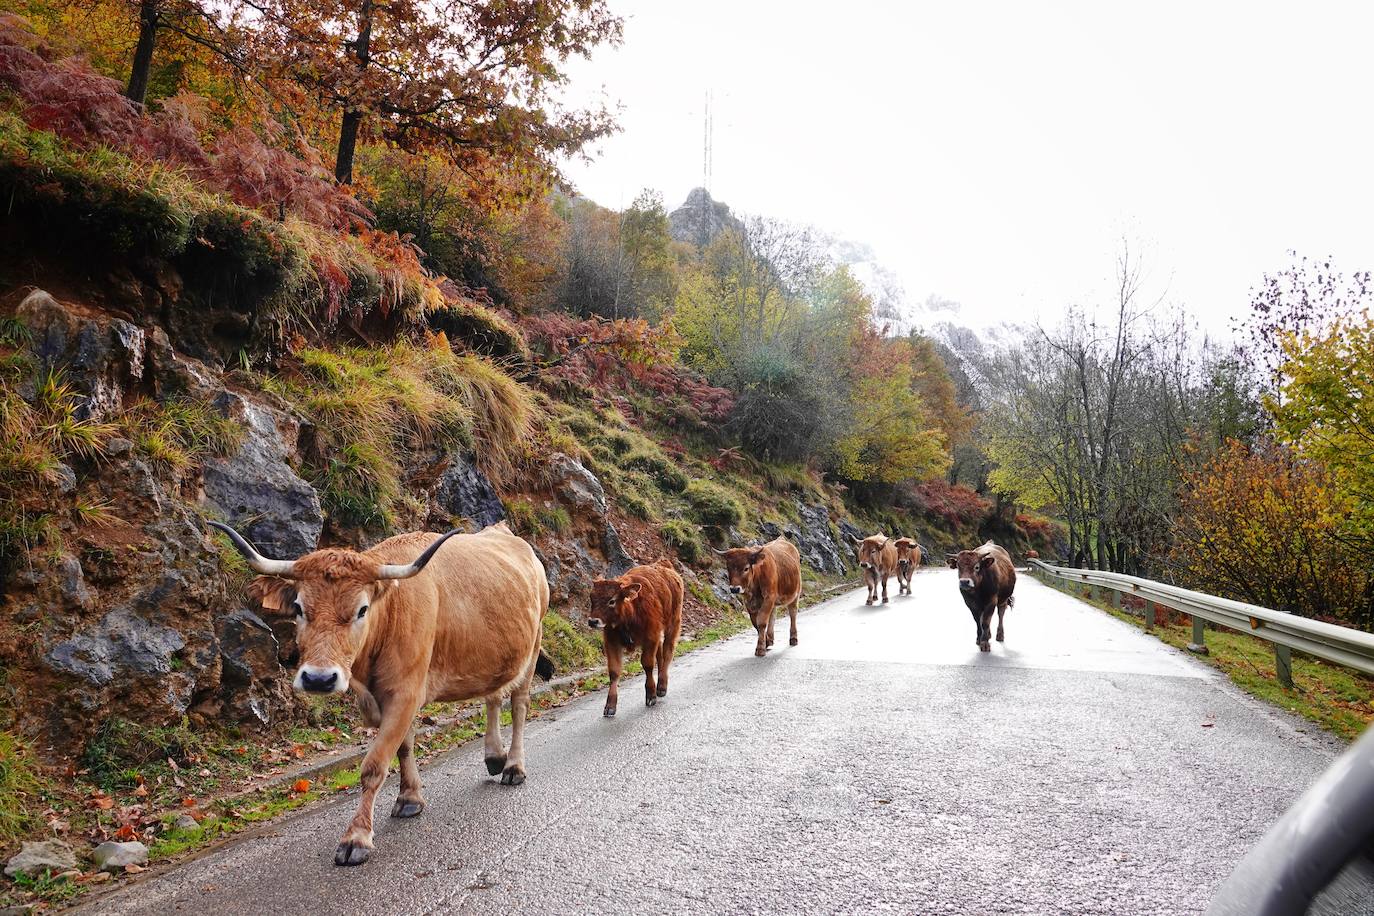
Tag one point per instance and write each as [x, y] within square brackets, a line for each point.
[353, 117]
[148, 20]
[348, 145]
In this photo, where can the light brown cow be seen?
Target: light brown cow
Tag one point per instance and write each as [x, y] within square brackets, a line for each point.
[404, 624]
[908, 558]
[641, 609]
[878, 560]
[767, 577]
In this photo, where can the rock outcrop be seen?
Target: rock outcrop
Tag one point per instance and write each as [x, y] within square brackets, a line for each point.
[463, 491]
[257, 489]
[700, 219]
[815, 538]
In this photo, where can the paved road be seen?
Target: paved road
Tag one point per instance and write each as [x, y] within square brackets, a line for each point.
[883, 764]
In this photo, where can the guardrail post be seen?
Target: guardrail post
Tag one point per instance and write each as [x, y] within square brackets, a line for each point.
[1149, 614]
[1116, 599]
[1199, 643]
[1283, 664]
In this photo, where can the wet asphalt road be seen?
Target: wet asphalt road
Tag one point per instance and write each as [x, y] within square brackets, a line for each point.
[883, 764]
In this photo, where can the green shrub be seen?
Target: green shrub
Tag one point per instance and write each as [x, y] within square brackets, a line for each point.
[375, 408]
[712, 504]
[684, 538]
[666, 474]
[119, 747]
[634, 504]
[523, 517]
[569, 648]
[19, 787]
[480, 329]
[180, 432]
[619, 442]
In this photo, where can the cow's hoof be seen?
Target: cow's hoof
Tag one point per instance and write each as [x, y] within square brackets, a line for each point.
[513, 776]
[407, 807]
[760, 653]
[869, 602]
[1001, 638]
[663, 691]
[984, 647]
[608, 712]
[351, 853]
[650, 699]
[495, 764]
[792, 641]
[884, 601]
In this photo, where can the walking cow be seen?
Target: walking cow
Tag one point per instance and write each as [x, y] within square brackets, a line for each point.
[908, 558]
[986, 581]
[404, 624]
[767, 577]
[641, 609]
[878, 560]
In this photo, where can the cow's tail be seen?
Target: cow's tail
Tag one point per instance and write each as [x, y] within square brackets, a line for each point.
[543, 666]
[1011, 601]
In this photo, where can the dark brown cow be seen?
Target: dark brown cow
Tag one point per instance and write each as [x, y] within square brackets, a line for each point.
[641, 609]
[767, 577]
[986, 581]
[908, 558]
[403, 624]
[878, 560]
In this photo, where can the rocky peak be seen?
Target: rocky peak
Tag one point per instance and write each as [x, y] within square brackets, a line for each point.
[700, 219]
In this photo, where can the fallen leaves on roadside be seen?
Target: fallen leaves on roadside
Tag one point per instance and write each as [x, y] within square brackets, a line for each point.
[300, 786]
[188, 802]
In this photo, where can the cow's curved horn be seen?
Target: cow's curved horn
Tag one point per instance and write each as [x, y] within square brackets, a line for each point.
[406, 570]
[719, 552]
[256, 561]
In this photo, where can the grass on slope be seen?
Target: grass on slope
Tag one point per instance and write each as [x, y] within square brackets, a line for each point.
[1336, 698]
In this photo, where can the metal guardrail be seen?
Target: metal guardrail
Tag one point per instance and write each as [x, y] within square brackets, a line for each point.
[1342, 645]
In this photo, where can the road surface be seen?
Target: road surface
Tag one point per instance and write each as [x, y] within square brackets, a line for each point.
[883, 764]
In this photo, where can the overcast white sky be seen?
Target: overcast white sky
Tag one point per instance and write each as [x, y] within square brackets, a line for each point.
[995, 153]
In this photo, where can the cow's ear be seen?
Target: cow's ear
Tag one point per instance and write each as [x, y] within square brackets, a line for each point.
[273, 593]
[986, 561]
[630, 592]
[755, 556]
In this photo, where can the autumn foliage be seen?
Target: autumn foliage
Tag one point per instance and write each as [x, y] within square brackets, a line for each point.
[625, 357]
[1258, 524]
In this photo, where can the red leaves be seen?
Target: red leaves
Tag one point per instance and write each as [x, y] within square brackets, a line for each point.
[618, 357]
[67, 97]
[958, 505]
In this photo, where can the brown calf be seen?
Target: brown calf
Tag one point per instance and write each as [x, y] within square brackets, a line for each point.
[642, 609]
[986, 581]
[767, 577]
[878, 560]
[404, 624]
[908, 558]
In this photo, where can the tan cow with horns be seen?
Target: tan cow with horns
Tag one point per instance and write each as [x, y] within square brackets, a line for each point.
[404, 624]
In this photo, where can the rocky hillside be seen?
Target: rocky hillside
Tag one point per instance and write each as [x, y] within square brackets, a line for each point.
[131, 610]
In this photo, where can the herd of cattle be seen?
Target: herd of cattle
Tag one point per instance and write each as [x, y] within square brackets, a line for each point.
[370, 623]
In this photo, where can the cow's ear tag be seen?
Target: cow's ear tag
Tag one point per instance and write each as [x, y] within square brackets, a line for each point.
[272, 600]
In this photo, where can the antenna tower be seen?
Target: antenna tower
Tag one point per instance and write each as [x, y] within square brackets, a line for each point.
[708, 129]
